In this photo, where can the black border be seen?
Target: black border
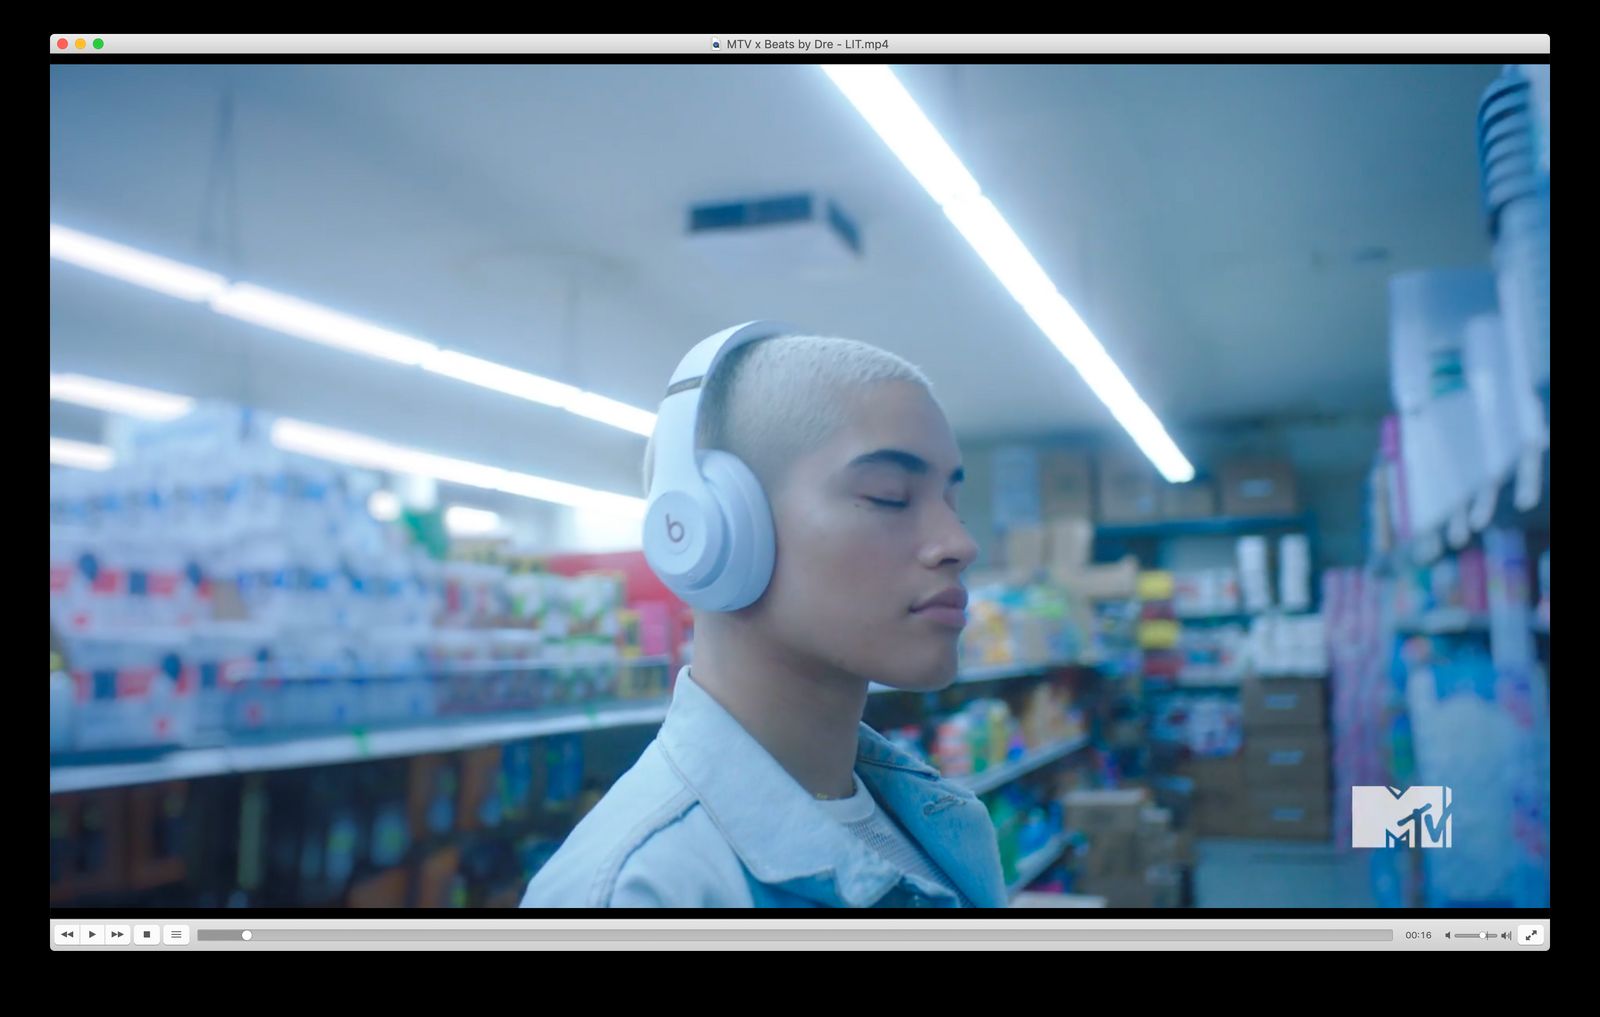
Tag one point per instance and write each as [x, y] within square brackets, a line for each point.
[58, 913]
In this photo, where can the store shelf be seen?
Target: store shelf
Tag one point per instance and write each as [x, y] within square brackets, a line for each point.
[1424, 550]
[1222, 526]
[994, 674]
[983, 783]
[1036, 864]
[1445, 621]
[1197, 685]
[189, 764]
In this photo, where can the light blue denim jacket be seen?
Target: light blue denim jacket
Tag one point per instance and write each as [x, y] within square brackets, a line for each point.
[707, 818]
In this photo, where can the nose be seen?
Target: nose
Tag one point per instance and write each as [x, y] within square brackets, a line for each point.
[951, 544]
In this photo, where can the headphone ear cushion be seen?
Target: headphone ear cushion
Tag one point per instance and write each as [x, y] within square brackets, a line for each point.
[751, 548]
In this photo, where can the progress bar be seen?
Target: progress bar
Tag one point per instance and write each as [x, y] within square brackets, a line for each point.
[795, 935]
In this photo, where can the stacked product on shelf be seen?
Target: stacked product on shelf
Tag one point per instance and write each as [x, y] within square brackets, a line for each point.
[1028, 828]
[987, 734]
[998, 748]
[208, 553]
[1362, 706]
[1131, 855]
[1159, 629]
[1257, 488]
[464, 829]
[1205, 593]
[1255, 575]
[1287, 645]
[1027, 623]
[1470, 349]
[1467, 698]
[1544, 590]
[1514, 153]
[212, 587]
[1477, 712]
[1214, 789]
[1286, 758]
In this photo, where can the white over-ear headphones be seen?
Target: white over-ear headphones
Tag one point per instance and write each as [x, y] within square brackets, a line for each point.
[708, 528]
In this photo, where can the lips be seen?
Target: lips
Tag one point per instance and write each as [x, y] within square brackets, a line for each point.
[954, 597]
[948, 608]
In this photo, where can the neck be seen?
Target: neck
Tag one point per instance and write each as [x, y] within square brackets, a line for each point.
[803, 711]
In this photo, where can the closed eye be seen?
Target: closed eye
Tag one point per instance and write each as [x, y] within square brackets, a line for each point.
[888, 503]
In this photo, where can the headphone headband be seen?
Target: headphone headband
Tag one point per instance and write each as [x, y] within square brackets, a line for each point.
[708, 528]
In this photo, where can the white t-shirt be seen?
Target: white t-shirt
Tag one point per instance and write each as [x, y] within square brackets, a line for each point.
[877, 829]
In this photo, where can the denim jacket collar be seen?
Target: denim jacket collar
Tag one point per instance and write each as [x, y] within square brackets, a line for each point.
[785, 839]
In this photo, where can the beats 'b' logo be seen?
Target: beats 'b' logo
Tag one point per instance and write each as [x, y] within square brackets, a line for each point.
[674, 531]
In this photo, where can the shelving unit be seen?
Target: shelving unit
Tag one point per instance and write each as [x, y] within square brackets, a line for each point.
[1036, 864]
[1000, 672]
[989, 780]
[445, 736]
[1220, 526]
[189, 764]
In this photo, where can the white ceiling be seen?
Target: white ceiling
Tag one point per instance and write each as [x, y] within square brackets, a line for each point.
[1208, 222]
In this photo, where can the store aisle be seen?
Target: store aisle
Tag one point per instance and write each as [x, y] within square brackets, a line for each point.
[1261, 873]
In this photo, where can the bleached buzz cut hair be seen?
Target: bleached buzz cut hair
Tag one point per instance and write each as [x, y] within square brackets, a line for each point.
[772, 401]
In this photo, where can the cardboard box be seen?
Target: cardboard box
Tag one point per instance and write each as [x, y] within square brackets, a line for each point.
[1065, 485]
[1154, 818]
[1184, 848]
[1119, 891]
[1025, 552]
[1258, 487]
[1070, 543]
[1223, 814]
[1127, 490]
[1175, 794]
[1295, 758]
[1220, 808]
[1104, 811]
[1194, 500]
[1160, 848]
[1111, 853]
[1273, 703]
[1166, 885]
[1220, 773]
[1118, 581]
[1302, 814]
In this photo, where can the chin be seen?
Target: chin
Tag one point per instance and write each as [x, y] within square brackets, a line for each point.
[932, 676]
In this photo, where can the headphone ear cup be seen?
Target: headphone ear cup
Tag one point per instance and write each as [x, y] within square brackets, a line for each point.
[747, 561]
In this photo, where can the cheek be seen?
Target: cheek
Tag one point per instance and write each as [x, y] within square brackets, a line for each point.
[842, 557]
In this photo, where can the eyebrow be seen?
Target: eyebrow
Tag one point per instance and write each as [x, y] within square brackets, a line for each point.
[906, 461]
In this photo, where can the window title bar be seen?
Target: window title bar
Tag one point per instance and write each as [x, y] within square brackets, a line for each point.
[834, 44]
